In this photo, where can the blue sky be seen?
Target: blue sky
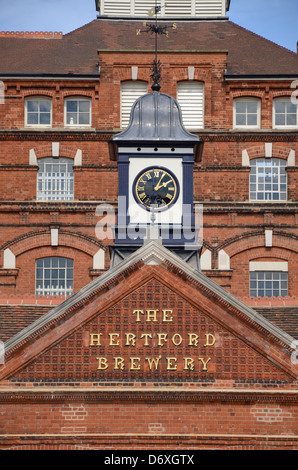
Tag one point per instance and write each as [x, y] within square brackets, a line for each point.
[276, 20]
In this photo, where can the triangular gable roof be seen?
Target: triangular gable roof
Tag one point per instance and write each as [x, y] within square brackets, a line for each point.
[150, 261]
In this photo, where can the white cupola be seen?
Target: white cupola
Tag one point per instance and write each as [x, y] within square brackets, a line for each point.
[169, 8]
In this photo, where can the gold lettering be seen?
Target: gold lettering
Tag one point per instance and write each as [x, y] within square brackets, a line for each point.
[177, 343]
[138, 313]
[205, 363]
[188, 363]
[102, 363]
[112, 343]
[130, 339]
[162, 337]
[208, 336]
[165, 317]
[151, 314]
[174, 26]
[118, 363]
[193, 339]
[146, 336]
[133, 365]
[171, 363]
[95, 339]
[152, 360]
[138, 31]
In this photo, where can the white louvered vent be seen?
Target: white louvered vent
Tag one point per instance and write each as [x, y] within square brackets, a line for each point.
[209, 8]
[190, 96]
[169, 8]
[176, 8]
[130, 92]
[116, 8]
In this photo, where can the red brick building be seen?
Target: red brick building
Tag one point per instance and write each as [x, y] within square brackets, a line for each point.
[65, 100]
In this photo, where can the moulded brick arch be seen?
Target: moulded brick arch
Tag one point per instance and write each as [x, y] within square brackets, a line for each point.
[277, 253]
[183, 76]
[65, 150]
[259, 151]
[42, 93]
[286, 93]
[77, 93]
[248, 241]
[33, 240]
[247, 94]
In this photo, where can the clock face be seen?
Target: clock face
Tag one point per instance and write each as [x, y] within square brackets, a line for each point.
[156, 187]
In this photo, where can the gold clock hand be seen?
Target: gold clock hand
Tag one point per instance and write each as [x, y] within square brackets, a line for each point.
[158, 184]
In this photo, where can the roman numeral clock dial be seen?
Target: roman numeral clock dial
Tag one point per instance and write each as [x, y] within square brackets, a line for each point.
[156, 187]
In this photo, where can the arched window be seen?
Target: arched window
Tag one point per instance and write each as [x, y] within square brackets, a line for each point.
[54, 276]
[247, 112]
[285, 113]
[38, 112]
[55, 179]
[268, 179]
[77, 112]
[190, 96]
[130, 92]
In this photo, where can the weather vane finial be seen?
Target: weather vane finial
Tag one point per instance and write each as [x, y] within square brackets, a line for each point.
[156, 29]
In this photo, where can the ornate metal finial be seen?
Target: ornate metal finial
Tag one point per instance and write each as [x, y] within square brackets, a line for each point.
[156, 75]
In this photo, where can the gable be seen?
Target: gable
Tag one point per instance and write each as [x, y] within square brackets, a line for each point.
[155, 333]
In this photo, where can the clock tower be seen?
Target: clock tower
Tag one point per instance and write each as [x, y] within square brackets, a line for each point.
[155, 162]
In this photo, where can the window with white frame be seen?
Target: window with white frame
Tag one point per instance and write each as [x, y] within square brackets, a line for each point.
[54, 276]
[77, 112]
[268, 179]
[247, 113]
[38, 112]
[130, 91]
[285, 113]
[55, 179]
[190, 96]
[268, 279]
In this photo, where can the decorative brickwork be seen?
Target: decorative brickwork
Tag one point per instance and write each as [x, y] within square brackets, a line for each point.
[119, 346]
[32, 34]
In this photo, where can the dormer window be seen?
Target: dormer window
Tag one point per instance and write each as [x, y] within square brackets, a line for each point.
[77, 112]
[285, 113]
[38, 112]
[247, 113]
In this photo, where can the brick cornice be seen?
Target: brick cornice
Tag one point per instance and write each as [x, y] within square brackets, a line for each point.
[207, 135]
[147, 441]
[230, 136]
[55, 135]
[165, 395]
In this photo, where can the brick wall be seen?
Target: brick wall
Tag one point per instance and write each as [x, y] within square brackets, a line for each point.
[221, 182]
[243, 400]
